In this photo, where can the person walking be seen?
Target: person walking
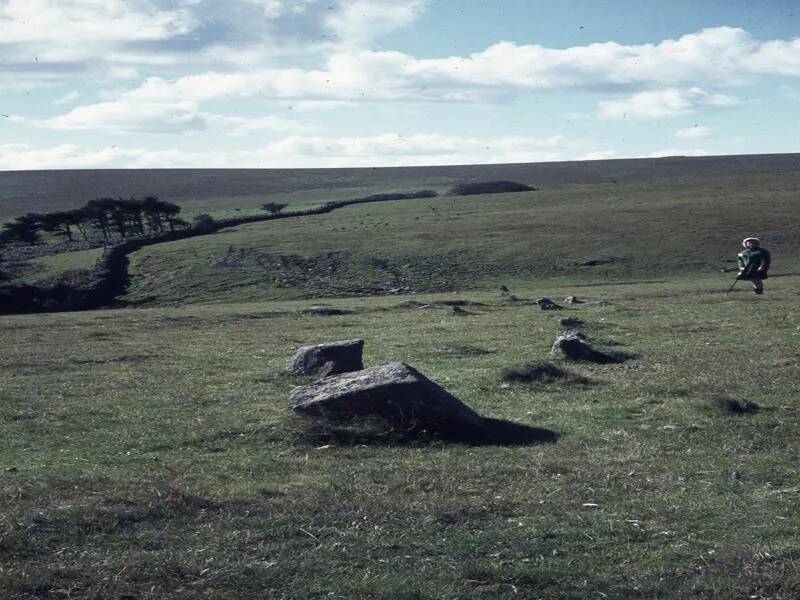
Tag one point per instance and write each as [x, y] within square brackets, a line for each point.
[754, 263]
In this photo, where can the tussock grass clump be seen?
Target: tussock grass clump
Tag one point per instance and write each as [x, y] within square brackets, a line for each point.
[734, 406]
[543, 372]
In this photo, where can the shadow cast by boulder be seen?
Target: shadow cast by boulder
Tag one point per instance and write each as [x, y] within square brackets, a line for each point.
[608, 358]
[499, 432]
[543, 372]
[372, 431]
[572, 345]
[395, 403]
[733, 406]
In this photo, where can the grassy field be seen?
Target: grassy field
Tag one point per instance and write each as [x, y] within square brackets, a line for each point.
[151, 453]
[225, 190]
[46, 267]
[636, 231]
[637, 217]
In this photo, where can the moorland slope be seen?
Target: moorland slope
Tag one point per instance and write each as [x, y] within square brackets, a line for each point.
[198, 190]
[585, 233]
[151, 452]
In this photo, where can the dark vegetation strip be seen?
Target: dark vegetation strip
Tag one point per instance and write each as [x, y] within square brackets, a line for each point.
[109, 278]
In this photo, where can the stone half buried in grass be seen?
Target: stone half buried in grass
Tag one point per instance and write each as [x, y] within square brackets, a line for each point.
[328, 359]
[406, 400]
[571, 322]
[325, 311]
[572, 345]
[547, 304]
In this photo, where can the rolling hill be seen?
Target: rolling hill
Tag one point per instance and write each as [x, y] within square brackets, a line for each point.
[198, 190]
[149, 450]
[585, 233]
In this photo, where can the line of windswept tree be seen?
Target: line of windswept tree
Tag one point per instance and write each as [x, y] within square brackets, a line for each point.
[105, 218]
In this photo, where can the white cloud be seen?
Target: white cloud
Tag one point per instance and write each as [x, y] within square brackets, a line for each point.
[125, 37]
[275, 9]
[420, 149]
[598, 155]
[129, 116]
[67, 98]
[776, 57]
[389, 149]
[711, 55]
[301, 151]
[677, 152]
[355, 76]
[666, 76]
[663, 103]
[125, 117]
[47, 41]
[69, 29]
[717, 56]
[695, 132]
[65, 156]
[241, 126]
[71, 156]
[357, 22]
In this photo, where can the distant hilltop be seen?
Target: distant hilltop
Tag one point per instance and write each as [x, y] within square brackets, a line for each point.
[48, 191]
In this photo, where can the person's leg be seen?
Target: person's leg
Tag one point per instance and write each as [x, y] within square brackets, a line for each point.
[758, 286]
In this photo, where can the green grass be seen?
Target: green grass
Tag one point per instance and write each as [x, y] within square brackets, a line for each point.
[204, 190]
[644, 231]
[54, 265]
[215, 191]
[151, 453]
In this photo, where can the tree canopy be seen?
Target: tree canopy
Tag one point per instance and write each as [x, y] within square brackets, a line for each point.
[105, 217]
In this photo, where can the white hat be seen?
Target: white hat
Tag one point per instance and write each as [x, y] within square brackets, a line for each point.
[756, 241]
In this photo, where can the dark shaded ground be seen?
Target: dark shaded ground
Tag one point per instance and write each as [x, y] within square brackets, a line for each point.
[543, 372]
[376, 431]
[734, 406]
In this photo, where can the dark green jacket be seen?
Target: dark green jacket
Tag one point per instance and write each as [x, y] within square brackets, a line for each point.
[751, 260]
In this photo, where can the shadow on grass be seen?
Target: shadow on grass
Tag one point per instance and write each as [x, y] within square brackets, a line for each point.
[733, 406]
[612, 358]
[544, 372]
[499, 432]
[378, 432]
[603, 358]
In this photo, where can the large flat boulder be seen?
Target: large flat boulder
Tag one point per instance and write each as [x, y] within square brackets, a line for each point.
[395, 392]
[332, 358]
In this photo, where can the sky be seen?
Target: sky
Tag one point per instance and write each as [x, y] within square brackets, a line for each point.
[371, 83]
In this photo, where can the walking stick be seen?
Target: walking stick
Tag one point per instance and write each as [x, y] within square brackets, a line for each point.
[735, 281]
